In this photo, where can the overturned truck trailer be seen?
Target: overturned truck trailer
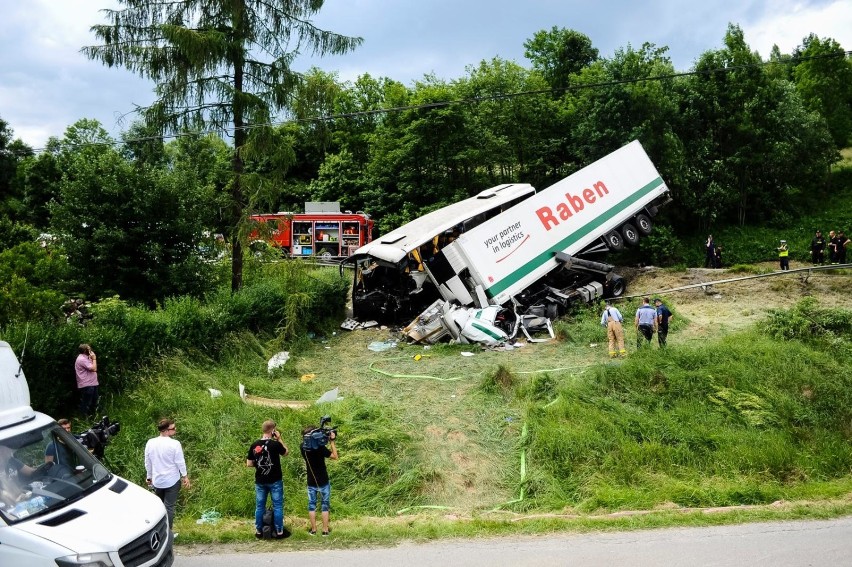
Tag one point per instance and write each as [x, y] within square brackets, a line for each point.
[533, 253]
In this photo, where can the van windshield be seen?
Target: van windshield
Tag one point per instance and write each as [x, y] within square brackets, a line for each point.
[43, 470]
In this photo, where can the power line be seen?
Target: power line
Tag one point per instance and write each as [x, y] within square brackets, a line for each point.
[468, 101]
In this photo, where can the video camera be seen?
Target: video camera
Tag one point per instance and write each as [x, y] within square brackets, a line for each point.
[318, 437]
[96, 438]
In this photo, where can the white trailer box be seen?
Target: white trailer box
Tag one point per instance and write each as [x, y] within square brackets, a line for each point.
[59, 506]
[518, 247]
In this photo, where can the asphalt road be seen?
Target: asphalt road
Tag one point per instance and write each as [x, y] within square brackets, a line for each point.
[781, 544]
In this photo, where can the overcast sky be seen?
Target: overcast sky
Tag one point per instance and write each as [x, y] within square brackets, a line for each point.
[46, 84]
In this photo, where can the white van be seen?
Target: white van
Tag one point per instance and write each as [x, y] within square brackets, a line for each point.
[59, 506]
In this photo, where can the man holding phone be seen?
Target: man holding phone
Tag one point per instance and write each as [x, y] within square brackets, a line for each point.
[265, 456]
[86, 369]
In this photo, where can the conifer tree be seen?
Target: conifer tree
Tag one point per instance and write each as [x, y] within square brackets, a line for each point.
[219, 65]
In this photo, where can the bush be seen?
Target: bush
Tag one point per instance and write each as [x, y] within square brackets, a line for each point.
[292, 298]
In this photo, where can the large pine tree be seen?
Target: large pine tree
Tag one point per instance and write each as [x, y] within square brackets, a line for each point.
[221, 65]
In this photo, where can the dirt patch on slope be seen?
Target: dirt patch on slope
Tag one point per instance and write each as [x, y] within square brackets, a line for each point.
[715, 307]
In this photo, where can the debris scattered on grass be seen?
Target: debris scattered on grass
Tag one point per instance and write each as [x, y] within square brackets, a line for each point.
[280, 359]
[330, 396]
[381, 346]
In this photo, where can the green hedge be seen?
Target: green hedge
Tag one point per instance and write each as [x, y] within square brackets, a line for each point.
[287, 298]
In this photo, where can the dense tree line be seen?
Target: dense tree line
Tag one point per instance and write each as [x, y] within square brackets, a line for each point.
[739, 141]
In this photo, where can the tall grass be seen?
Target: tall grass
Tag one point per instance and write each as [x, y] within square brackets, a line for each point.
[746, 420]
[377, 472]
[286, 299]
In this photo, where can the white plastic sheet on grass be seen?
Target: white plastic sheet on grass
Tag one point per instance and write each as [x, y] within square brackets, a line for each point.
[280, 359]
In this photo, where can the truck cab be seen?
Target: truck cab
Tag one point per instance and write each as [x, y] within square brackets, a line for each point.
[59, 505]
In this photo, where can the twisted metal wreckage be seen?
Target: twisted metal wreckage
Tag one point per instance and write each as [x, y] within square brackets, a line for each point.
[508, 260]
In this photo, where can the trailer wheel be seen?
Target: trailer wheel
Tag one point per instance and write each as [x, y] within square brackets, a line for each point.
[631, 235]
[643, 223]
[326, 255]
[614, 241]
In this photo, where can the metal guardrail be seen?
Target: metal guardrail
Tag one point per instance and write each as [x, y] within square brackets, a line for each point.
[710, 284]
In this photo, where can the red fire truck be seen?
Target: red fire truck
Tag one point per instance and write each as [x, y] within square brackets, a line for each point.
[322, 231]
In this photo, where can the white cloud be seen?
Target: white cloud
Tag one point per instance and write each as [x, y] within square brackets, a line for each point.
[790, 22]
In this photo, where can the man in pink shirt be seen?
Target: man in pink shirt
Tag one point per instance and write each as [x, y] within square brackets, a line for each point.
[86, 369]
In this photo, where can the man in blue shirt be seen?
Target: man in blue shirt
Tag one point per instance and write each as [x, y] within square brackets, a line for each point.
[646, 322]
[663, 318]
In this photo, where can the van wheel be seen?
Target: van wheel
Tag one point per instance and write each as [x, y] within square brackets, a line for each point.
[643, 223]
[631, 235]
[614, 241]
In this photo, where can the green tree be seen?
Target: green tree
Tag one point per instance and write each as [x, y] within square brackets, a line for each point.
[128, 231]
[11, 154]
[205, 57]
[559, 53]
[824, 79]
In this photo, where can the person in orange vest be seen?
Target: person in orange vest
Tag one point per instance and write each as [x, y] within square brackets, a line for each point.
[612, 320]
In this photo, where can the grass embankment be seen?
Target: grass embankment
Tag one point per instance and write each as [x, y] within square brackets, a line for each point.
[549, 436]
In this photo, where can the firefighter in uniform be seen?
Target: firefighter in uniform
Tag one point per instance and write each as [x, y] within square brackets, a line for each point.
[612, 319]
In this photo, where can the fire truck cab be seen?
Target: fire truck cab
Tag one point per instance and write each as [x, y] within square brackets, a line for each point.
[321, 231]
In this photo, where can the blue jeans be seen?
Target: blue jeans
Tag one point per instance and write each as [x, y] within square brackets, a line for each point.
[276, 490]
[325, 492]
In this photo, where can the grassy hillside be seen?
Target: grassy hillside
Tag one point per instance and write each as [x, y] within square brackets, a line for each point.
[552, 434]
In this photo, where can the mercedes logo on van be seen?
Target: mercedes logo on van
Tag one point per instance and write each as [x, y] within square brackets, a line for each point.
[155, 541]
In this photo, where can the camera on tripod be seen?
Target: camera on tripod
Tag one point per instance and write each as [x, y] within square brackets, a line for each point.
[319, 437]
[97, 437]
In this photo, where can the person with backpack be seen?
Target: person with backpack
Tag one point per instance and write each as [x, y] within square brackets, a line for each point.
[611, 320]
[265, 456]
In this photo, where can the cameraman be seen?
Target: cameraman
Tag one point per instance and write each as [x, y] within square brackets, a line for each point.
[265, 456]
[318, 478]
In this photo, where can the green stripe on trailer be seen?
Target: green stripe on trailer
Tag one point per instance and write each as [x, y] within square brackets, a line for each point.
[588, 228]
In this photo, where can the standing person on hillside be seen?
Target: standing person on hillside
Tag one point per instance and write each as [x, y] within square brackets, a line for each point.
[265, 456]
[842, 245]
[318, 483]
[663, 318]
[832, 247]
[818, 248]
[86, 370]
[165, 467]
[646, 322]
[710, 252]
[784, 255]
[612, 320]
[717, 256]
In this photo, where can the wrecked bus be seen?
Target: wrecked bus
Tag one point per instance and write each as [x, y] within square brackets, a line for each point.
[536, 251]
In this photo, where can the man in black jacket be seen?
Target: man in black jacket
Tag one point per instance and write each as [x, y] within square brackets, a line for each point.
[818, 248]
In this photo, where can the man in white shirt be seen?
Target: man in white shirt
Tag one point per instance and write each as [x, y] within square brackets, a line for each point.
[165, 467]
